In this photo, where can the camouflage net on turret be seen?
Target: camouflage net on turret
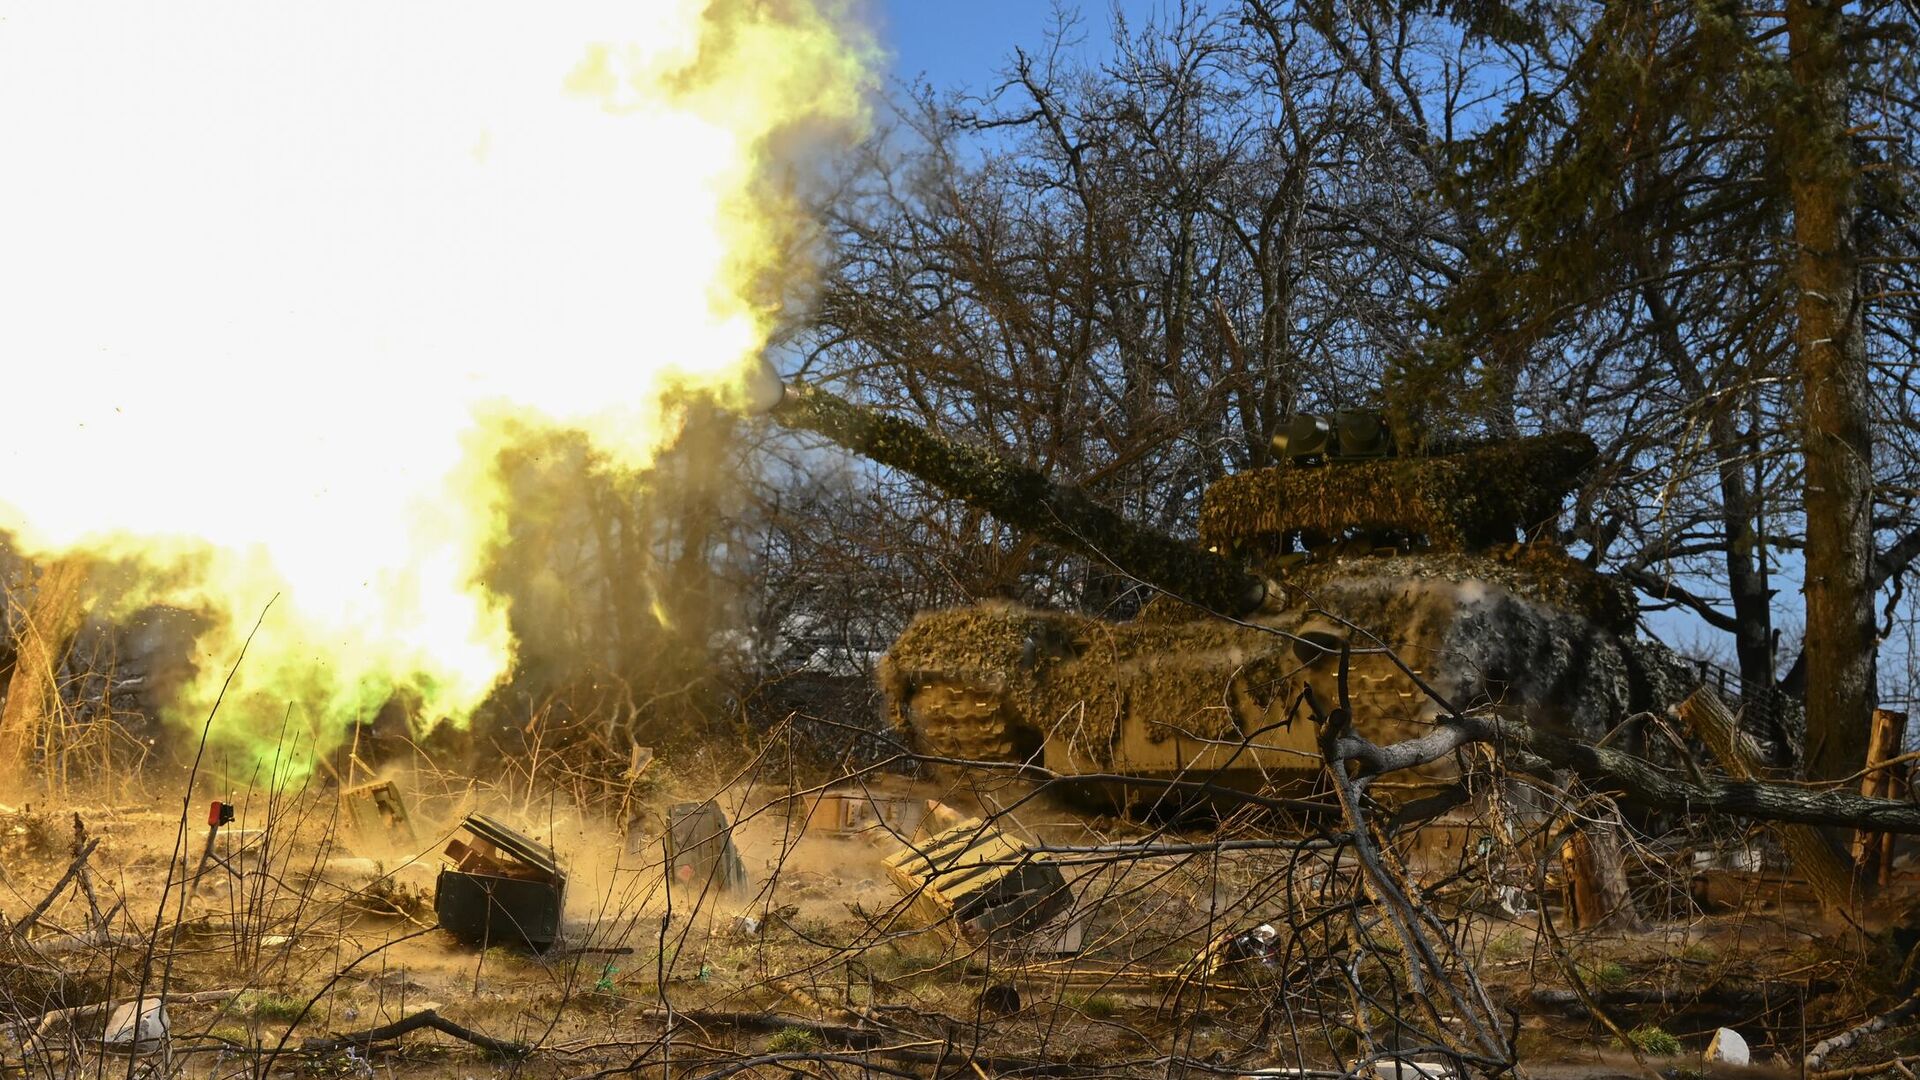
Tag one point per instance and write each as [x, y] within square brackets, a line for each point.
[1457, 501]
[1540, 572]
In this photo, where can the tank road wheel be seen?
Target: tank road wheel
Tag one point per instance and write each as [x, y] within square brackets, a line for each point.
[961, 722]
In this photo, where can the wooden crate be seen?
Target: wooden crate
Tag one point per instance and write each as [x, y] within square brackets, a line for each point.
[853, 811]
[974, 881]
[377, 812]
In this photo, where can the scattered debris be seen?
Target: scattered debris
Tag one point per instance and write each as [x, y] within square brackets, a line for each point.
[850, 811]
[700, 851]
[426, 1018]
[975, 881]
[1000, 999]
[1064, 936]
[1728, 1048]
[377, 812]
[1394, 1068]
[939, 818]
[1260, 945]
[1747, 859]
[639, 760]
[137, 1027]
[499, 887]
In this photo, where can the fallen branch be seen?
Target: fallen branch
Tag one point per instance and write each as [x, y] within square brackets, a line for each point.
[1852, 1072]
[1647, 784]
[426, 1018]
[73, 868]
[73, 943]
[1433, 971]
[867, 1040]
[1829, 874]
[806, 1000]
[52, 1021]
[1826, 1048]
[1751, 995]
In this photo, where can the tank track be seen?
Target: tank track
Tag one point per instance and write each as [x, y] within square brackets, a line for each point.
[961, 722]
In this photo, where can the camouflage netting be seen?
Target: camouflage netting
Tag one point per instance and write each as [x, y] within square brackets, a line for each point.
[1540, 572]
[1050, 668]
[1457, 501]
[1471, 636]
[1479, 642]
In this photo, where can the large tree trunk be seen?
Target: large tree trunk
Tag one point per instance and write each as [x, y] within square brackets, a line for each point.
[52, 619]
[1833, 372]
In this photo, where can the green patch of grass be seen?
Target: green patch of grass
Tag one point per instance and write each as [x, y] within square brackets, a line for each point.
[793, 1040]
[1506, 946]
[232, 1033]
[503, 954]
[1097, 1006]
[1700, 952]
[1604, 973]
[895, 966]
[1654, 1040]
[280, 1007]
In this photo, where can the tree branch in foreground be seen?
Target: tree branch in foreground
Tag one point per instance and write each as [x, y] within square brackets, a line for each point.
[1620, 773]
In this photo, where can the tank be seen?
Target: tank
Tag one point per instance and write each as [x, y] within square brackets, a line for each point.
[1431, 568]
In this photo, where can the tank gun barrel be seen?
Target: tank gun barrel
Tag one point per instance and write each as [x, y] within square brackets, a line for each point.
[1027, 499]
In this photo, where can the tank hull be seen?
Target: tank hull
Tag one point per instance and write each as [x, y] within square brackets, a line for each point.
[1177, 695]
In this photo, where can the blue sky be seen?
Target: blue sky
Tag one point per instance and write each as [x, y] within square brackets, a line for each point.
[959, 44]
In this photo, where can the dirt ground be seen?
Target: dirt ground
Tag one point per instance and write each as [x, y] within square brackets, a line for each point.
[313, 934]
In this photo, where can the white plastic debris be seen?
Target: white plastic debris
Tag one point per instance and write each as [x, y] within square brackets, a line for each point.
[1729, 1048]
[140, 1027]
[1413, 1069]
[746, 926]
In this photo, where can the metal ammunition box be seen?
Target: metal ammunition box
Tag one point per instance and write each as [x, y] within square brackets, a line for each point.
[499, 888]
[700, 852]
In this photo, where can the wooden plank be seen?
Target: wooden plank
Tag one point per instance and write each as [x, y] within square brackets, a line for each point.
[1873, 852]
[1583, 891]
